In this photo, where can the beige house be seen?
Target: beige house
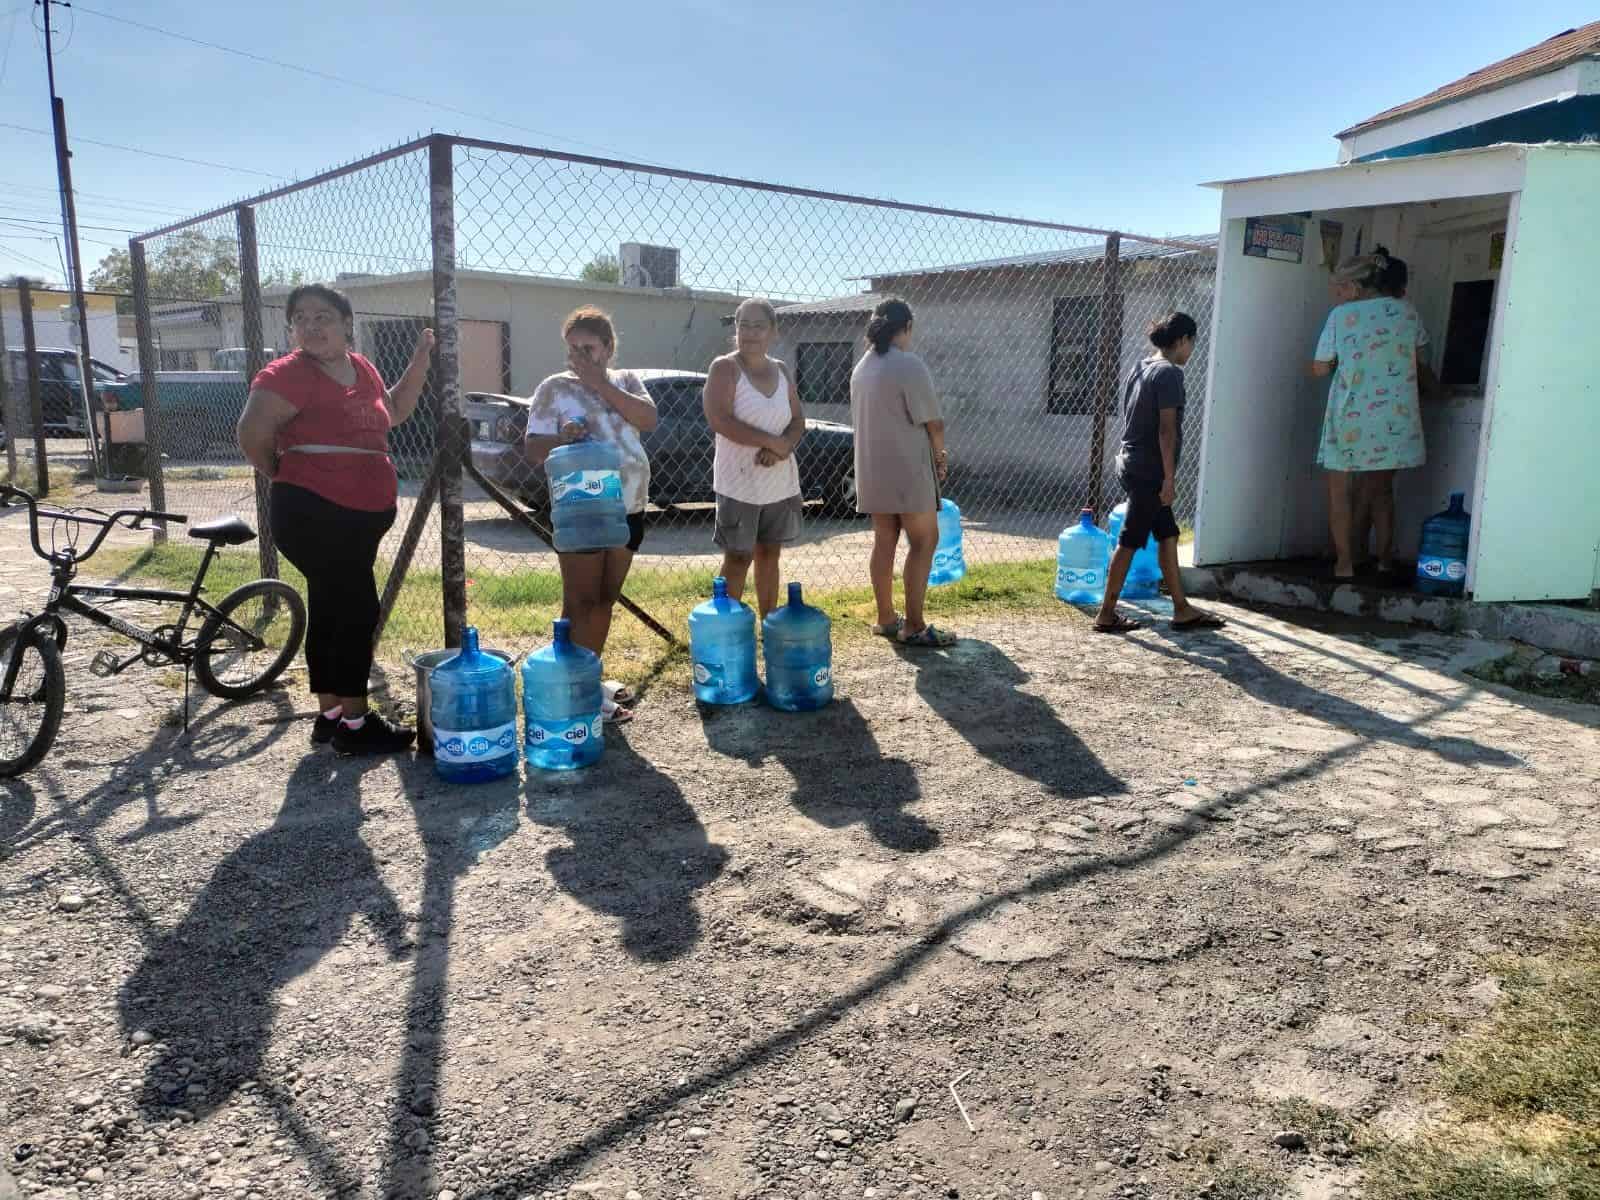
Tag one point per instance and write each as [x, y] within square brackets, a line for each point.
[510, 325]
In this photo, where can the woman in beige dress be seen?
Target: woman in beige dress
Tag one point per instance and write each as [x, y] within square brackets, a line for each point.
[900, 463]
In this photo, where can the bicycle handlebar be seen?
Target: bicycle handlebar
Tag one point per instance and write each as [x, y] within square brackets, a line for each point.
[9, 496]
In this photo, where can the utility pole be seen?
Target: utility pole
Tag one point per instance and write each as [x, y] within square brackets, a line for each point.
[69, 220]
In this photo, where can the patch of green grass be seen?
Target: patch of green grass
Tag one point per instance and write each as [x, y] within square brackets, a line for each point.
[206, 474]
[513, 610]
[1320, 1123]
[1511, 671]
[63, 480]
[1524, 1094]
[1242, 1181]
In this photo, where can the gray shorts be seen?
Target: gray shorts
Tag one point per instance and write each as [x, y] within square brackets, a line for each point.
[741, 526]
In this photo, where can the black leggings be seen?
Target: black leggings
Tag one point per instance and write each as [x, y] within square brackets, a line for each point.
[335, 548]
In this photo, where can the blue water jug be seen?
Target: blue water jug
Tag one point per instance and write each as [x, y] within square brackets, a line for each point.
[472, 708]
[722, 648]
[1442, 558]
[1082, 552]
[587, 510]
[799, 651]
[1144, 573]
[561, 703]
[949, 564]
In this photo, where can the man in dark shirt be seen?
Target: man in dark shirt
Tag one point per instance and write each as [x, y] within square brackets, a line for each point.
[1147, 465]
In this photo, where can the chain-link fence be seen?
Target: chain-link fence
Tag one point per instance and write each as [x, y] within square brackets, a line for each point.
[1029, 329]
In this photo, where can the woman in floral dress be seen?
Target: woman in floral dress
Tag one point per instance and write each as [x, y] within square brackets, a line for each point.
[1373, 425]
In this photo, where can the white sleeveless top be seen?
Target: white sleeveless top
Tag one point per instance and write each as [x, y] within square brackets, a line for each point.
[734, 472]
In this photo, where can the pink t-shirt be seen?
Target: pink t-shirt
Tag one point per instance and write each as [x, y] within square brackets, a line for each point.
[328, 414]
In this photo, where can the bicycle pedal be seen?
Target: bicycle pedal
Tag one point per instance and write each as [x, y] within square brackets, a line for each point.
[104, 665]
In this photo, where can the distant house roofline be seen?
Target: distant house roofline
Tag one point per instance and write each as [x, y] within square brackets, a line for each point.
[1567, 47]
[1133, 251]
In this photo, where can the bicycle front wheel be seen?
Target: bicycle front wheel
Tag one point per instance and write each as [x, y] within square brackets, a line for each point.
[30, 710]
[250, 640]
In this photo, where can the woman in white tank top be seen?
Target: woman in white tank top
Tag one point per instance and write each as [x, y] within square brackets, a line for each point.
[753, 408]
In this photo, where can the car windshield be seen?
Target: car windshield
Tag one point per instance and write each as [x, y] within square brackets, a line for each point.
[103, 373]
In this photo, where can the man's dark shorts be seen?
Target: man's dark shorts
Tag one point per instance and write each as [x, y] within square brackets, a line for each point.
[1147, 516]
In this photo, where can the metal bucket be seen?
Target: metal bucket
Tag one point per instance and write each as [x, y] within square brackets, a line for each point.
[423, 664]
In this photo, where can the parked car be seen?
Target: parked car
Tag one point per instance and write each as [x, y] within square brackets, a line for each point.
[234, 358]
[60, 400]
[681, 447]
[198, 410]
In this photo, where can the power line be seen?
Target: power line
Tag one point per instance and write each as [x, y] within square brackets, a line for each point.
[11, 33]
[15, 253]
[365, 87]
[100, 199]
[193, 162]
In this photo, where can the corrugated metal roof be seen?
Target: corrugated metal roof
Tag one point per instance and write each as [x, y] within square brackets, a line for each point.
[1548, 55]
[1382, 164]
[838, 306]
[1132, 251]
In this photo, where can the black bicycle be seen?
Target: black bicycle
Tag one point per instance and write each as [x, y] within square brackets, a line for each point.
[242, 645]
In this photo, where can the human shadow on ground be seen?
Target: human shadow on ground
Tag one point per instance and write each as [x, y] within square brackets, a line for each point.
[224, 735]
[207, 988]
[832, 1012]
[841, 775]
[458, 826]
[975, 688]
[1234, 662]
[638, 852]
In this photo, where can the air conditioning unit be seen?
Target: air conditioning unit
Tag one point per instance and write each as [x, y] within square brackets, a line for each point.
[648, 266]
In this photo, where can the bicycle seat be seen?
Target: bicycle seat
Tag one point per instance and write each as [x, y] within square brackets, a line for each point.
[229, 530]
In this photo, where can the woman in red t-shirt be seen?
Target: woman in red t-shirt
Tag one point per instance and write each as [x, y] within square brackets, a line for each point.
[317, 425]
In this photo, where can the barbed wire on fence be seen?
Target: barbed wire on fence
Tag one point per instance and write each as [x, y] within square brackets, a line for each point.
[1028, 327]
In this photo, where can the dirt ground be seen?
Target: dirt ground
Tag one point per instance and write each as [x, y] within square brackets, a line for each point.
[1120, 892]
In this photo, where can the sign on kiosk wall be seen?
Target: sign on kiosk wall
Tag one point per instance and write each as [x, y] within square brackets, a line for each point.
[1282, 239]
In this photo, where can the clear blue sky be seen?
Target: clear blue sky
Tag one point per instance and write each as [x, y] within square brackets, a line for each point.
[1100, 114]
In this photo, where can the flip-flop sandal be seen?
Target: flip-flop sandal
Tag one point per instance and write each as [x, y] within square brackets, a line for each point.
[618, 692]
[612, 713]
[927, 636]
[1120, 625]
[891, 630]
[1204, 621]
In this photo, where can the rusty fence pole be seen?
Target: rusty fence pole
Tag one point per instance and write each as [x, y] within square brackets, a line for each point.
[255, 357]
[1108, 364]
[447, 387]
[145, 333]
[8, 405]
[30, 354]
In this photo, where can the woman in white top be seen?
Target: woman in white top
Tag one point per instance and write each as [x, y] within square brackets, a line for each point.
[752, 406]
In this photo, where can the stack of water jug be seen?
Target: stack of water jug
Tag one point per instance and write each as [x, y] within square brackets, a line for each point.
[1083, 557]
[796, 641]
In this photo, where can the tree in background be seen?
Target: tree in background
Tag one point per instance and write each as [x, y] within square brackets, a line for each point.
[190, 265]
[602, 268]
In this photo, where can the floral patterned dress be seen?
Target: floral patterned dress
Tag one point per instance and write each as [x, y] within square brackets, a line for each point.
[1374, 422]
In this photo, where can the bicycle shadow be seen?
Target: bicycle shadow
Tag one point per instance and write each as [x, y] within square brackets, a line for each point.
[881, 786]
[638, 852]
[974, 687]
[225, 735]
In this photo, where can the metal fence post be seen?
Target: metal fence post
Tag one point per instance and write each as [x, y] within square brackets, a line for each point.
[447, 387]
[147, 383]
[8, 407]
[30, 353]
[255, 355]
[1108, 363]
